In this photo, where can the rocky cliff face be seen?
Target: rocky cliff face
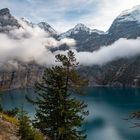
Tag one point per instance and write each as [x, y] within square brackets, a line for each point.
[22, 77]
[119, 73]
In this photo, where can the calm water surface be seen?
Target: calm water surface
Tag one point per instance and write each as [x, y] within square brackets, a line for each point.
[108, 108]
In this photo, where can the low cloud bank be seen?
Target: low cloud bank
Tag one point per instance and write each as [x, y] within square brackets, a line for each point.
[123, 48]
[29, 44]
[32, 44]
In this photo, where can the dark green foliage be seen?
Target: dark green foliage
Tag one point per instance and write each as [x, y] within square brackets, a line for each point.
[58, 114]
[1, 109]
[26, 131]
[12, 112]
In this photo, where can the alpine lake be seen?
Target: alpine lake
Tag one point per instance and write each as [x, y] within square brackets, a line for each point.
[108, 110]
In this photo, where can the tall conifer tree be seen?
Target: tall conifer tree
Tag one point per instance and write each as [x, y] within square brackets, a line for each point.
[59, 115]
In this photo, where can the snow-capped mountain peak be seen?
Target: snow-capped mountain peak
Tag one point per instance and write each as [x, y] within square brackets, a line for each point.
[7, 21]
[78, 28]
[45, 26]
[4, 11]
[81, 27]
[130, 15]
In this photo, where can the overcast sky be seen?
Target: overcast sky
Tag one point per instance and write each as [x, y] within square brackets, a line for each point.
[64, 14]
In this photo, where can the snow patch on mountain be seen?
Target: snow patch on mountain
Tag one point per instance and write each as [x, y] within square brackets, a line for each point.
[75, 30]
[97, 31]
[130, 15]
[45, 26]
[79, 28]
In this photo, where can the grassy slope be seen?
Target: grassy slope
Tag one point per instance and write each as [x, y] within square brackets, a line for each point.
[8, 127]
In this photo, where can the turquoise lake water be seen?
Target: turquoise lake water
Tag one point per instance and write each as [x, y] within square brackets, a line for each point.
[108, 109]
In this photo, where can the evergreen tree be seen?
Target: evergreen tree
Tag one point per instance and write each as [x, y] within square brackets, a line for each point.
[1, 109]
[26, 131]
[59, 115]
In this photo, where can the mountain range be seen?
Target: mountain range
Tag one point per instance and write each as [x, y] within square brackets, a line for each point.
[122, 72]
